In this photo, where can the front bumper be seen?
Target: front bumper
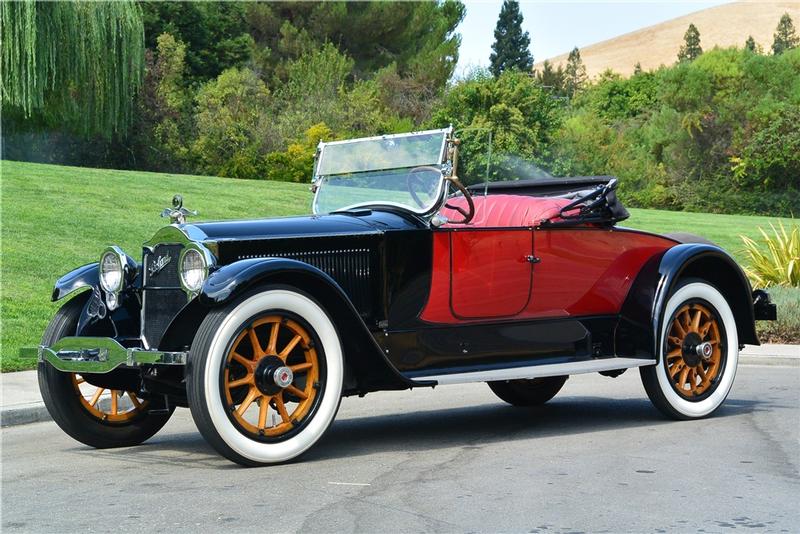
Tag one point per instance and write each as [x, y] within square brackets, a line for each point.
[98, 355]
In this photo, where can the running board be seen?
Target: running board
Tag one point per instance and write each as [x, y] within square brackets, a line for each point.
[538, 371]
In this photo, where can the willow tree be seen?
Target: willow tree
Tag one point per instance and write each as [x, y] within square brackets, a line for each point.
[72, 64]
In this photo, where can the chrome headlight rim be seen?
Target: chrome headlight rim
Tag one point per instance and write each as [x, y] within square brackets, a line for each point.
[207, 261]
[122, 262]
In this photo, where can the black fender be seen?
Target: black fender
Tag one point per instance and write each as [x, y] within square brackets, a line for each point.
[647, 298]
[368, 367]
[85, 276]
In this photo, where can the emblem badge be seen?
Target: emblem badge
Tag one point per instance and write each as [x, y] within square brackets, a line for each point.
[158, 264]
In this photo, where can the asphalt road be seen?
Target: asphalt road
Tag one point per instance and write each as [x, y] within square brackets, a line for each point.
[597, 458]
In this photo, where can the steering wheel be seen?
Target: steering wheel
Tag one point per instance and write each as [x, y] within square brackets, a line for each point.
[468, 213]
[413, 178]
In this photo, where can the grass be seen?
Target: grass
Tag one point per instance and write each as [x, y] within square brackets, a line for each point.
[56, 218]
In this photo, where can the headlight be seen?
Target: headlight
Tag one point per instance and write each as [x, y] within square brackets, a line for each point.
[111, 271]
[193, 269]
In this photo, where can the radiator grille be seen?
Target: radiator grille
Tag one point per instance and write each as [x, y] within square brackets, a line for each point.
[350, 268]
[162, 295]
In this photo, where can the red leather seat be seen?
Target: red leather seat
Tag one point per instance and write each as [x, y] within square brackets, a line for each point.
[498, 211]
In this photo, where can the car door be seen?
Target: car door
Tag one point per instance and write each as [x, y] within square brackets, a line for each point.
[490, 272]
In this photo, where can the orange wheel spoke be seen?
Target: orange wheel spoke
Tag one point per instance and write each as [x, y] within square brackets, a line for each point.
[290, 347]
[251, 396]
[257, 350]
[134, 400]
[301, 367]
[679, 328]
[296, 392]
[114, 400]
[241, 382]
[272, 348]
[96, 396]
[674, 353]
[696, 321]
[281, 408]
[682, 378]
[241, 359]
[675, 369]
[674, 341]
[263, 408]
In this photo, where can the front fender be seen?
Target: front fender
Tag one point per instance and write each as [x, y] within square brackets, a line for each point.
[370, 369]
[86, 276]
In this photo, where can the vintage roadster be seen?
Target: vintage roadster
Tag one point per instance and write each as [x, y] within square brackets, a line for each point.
[401, 278]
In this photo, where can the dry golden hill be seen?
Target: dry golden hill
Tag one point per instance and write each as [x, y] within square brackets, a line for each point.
[724, 26]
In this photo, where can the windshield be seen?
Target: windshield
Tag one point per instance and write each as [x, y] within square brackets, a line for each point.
[403, 170]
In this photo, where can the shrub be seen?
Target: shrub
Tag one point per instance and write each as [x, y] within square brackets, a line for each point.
[787, 328]
[778, 261]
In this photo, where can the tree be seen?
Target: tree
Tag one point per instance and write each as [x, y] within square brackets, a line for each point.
[575, 73]
[785, 37]
[750, 44]
[511, 45]
[690, 50]
[637, 69]
[418, 37]
[550, 78]
[73, 64]
[215, 34]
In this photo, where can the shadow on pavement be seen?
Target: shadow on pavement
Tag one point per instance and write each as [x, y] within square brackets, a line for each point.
[434, 429]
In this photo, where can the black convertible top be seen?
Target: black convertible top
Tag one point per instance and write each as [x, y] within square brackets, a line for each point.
[541, 187]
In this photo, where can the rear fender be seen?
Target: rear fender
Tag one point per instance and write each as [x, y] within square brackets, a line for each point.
[650, 291]
[368, 368]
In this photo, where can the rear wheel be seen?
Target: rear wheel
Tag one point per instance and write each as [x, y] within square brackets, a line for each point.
[699, 353]
[533, 392]
[101, 417]
[265, 376]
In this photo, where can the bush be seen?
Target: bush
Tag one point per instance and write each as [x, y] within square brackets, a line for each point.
[296, 163]
[776, 261]
[787, 328]
[229, 119]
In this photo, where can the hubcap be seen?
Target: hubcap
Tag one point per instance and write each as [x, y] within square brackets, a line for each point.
[694, 350]
[271, 377]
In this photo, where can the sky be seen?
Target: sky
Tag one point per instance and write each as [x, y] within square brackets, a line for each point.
[558, 27]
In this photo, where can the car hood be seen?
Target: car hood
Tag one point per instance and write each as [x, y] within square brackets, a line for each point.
[367, 222]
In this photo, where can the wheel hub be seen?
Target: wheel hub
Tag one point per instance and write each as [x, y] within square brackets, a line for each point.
[689, 349]
[272, 375]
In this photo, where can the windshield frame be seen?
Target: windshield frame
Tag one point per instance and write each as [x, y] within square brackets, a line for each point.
[439, 196]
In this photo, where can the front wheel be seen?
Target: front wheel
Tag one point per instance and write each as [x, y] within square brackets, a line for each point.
[265, 376]
[102, 411]
[699, 353]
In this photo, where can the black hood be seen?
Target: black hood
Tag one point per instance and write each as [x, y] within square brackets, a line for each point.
[355, 223]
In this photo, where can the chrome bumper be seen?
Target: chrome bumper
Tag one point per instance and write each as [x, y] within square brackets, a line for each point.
[98, 355]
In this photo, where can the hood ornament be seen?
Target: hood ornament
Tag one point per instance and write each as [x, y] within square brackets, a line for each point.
[177, 213]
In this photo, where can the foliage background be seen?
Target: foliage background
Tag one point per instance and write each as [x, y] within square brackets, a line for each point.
[247, 90]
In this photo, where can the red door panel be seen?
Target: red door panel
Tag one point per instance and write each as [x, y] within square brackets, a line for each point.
[491, 276]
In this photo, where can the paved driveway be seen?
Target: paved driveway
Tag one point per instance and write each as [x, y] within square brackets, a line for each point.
[453, 459]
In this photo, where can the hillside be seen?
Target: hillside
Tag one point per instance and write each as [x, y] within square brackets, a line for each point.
[723, 26]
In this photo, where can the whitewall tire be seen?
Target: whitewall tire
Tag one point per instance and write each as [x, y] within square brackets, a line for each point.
[699, 352]
[273, 351]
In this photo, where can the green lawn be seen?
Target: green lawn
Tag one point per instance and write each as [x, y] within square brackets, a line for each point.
[56, 218]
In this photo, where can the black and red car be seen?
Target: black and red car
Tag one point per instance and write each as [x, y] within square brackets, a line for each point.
[401, 278]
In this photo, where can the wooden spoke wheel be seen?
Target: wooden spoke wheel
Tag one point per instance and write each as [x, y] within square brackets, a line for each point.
[698, 354]
[272, 374]
[694, 352]
[110, 405]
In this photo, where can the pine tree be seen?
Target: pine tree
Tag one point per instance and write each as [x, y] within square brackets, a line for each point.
[511, 44]
[785, 36]
[575, 73]
[550, 78]
[691, 49]
[750, 44]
